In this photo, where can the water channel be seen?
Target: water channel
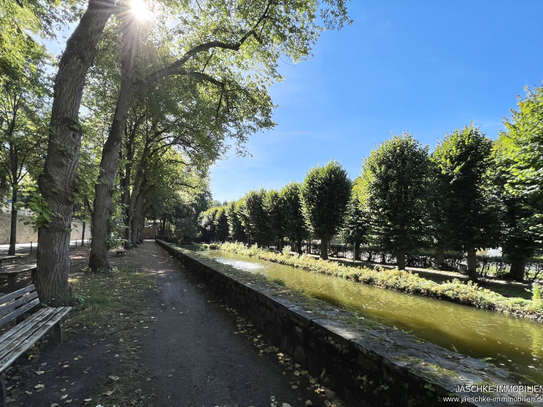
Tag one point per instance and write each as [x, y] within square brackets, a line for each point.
[509, 342]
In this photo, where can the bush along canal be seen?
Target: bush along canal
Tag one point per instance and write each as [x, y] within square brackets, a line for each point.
[365, 361]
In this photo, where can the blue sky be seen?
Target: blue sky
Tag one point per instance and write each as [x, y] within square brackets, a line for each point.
[426, 67]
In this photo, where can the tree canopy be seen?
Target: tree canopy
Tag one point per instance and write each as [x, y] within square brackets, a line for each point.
[325, 193]
[393, 192]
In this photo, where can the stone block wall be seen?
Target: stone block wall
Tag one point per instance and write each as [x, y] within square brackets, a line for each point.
[366, 366]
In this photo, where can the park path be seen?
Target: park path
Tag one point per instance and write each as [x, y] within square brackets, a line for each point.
[196, 354]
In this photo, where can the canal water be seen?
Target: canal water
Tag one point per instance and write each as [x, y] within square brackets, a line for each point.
[513, 343]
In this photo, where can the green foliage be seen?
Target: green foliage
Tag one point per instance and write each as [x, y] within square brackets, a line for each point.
[255, 219]
[208, 225]
[295, 225]
[536, 292]
[325, 194]
[275, 207]
[392, 190]
[42, 212]
[522, 147]
[235, 225]
[355, 225]
[465, 214]
[221, 224]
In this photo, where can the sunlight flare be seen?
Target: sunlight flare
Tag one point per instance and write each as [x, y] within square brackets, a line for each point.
[140, 10]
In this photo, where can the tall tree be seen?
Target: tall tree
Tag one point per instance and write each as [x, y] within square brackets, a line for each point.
[295, 225]
[218, 43]
[325, 194]
[221, 224]
[393, 189]
[23, 104]
[255, 218]
[462, 161]
[274, 204]
[519, 152]
[235, 224]
[286, 28]
[57, 184]
[355, 226]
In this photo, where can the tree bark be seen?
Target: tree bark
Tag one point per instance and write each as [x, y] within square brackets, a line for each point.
[516, 272]
[324, 248]
[472, 263]
[13, 228]
[356, 251]
[83, 234]
[57, 183]
[400, 259]
[103, 202]
[137, 219]
[440, 257]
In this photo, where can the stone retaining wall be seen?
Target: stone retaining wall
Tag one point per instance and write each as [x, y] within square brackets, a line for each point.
[366, 366]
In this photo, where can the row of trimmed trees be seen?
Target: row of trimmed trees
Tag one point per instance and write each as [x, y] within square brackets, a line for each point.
[469, 193]
[315, 208]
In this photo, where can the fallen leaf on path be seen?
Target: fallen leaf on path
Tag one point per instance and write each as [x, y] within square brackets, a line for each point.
[108, 393]
[39, 386]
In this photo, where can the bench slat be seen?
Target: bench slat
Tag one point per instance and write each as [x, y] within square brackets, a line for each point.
[5, 309]
[22, 329]
[34, 328]
[19, 311]
[21, 268]
[8, 297]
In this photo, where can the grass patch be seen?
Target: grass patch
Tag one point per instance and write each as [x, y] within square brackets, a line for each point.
[404, 281]
[99, 295]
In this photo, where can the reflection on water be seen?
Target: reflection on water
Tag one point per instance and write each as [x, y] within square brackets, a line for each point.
[510, 342]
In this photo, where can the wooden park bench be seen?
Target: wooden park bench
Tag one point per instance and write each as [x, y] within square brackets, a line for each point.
[12, 273]
[19, 338]
[119, 252]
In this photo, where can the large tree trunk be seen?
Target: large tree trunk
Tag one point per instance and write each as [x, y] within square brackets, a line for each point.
[125, 183]
[400, 259]
[83, 234]
[103, 202]
[472, 263]
[440, 258]
[516, 272]
[356, 251]
[13, 228]
[137, 219]
[57, 181]
[324, 248]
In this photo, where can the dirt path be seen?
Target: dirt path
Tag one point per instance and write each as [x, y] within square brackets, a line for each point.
[180, 346]
[197, 354]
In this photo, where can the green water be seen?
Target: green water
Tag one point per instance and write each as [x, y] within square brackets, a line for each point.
[513, 343]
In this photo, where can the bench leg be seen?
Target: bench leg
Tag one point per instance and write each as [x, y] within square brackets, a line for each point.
[3, 395]
[12, 278]
[57, 332]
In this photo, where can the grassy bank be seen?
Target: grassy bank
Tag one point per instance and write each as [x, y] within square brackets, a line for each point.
[404, 281]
